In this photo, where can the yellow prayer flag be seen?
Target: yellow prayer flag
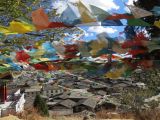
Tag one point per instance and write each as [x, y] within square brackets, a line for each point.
[86, 15]
[39, 52]
[17, 28]
[157, 24]
[43, 59]
[96, 46]
[6, 65]
[20, 27]
[16, 74]
[115, 74]
[5, 30]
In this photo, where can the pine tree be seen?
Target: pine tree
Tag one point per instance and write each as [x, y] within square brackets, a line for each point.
[41, 106]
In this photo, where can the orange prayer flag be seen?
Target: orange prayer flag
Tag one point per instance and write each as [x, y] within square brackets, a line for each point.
[40, 19]
[53, 67]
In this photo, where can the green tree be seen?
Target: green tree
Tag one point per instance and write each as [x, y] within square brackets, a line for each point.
[41, 106]
[12, 9]
[148, 5]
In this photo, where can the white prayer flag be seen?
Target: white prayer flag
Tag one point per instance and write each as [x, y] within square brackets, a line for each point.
[138, 12]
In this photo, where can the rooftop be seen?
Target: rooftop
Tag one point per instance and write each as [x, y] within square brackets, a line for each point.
[68, 103]
[32, 90]
[50, 87]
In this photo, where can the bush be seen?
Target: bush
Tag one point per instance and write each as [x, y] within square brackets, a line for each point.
[41, 106]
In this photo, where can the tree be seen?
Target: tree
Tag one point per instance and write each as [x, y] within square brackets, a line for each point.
[148, 5]
[12, 9]
[153, 31]
[40, 105]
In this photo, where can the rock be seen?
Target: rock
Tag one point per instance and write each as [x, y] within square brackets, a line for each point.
[155, 98]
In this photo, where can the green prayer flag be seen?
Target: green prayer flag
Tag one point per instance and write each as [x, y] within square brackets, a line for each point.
[4, 69]
[137, 22]
[127, 73]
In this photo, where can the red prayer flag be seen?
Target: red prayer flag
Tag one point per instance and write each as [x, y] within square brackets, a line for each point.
[40, 67]
[119, 16]
[57, 25]
[136, 52]
[22, 56]
[71, 48]
[131, 43]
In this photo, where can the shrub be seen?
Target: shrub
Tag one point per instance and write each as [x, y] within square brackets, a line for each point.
[41, 106]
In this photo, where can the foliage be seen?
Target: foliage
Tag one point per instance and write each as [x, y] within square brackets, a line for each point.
[149, 77]
[135, 97]
[11, 9]
[154, 31]
[41, 106]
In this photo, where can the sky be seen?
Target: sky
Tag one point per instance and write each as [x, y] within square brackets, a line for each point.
[111, 6]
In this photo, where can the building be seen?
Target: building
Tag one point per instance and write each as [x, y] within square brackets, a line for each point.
[88, 104]
[50, 90]
[13, 104]
[64, 107]
[11, 99]
[30, 94]
[32, 91]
